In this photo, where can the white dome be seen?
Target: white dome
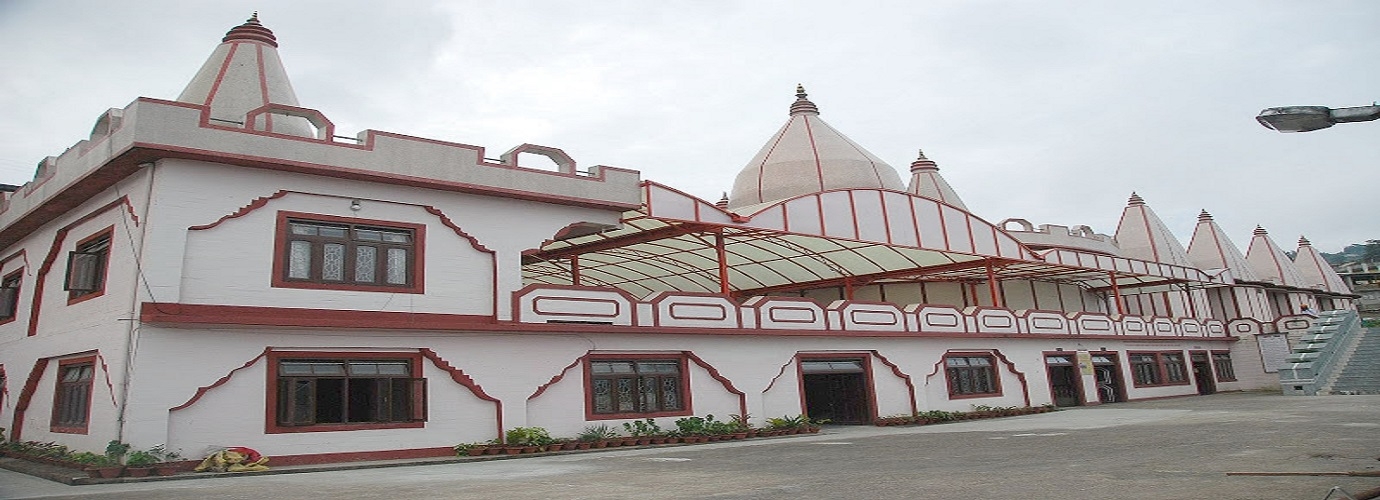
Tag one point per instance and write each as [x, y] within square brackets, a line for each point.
[808, 156]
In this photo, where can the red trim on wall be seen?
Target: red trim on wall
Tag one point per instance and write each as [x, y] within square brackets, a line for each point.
[728, 384]
[253, 205]
[25, 395]
[558, 376]
[360, 456]
[210, 314]
[55, 249]
[201, 391]
[461, 378]
[910, 384]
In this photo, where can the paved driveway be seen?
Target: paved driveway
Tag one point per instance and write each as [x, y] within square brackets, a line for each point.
[1190, 448]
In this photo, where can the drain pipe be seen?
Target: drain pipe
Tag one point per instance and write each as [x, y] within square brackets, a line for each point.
[133, 319]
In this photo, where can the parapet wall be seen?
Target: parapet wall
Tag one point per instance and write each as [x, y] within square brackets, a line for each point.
[594, 305]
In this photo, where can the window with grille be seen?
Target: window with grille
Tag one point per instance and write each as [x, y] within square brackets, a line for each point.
[637, 387]
[72, 398]
[340, 394]
[1221, 362]
[1158, 368]
[338, 253]
[972, 375]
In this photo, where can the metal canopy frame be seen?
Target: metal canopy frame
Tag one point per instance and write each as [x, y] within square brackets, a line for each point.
[650, 254]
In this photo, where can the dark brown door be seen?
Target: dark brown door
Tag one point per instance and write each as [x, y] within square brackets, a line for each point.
[1202, 374]
[839, 397]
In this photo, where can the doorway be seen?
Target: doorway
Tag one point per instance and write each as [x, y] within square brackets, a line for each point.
[836, 389]
[1202, 373]
[1107, 371]
[1064, 382]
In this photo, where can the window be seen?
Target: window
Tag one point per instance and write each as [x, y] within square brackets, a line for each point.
[972, 375]
[72, 399]
[86, 267]
[637, 387]
[320, 394]
[1221, 361]
[9, 295]
[340, 253]
[1158, 368]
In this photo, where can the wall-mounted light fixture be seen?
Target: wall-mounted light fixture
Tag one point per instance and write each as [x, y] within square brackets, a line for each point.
[355, 205]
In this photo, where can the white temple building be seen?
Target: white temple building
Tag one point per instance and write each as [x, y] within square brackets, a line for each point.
[224, 269]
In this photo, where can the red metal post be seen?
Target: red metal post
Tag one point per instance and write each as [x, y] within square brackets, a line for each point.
[575, 270]
[723, 261]
[1116, 293]
[992, 284]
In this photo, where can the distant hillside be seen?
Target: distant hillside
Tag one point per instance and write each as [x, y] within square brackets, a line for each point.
[1368, 251]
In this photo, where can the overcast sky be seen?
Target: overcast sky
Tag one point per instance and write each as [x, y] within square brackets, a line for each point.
[1044, 110]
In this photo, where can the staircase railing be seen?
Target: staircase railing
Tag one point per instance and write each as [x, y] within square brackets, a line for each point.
[1315, 358]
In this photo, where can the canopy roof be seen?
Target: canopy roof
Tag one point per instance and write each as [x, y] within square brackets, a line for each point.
[848, 237]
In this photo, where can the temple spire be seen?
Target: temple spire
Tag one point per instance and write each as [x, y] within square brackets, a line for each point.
[926, 182]
[243, 74]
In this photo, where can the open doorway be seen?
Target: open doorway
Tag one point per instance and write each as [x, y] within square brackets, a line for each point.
[1107, 371]
[1202, 373]
[1065, 384]
[836, 389]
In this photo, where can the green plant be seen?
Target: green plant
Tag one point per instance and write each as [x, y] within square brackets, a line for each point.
[596, 433]
[643, 428]
[116, 450]
[85, 458]
[141, 458]
[464, 448]
[161, 453]
[787, 422]
[691, 426]
[741, 423]
[528, 436]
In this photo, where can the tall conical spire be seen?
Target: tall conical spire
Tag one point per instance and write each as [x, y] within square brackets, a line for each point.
[808, 156]
[1211, 249]
[1142, 235]
[1315, 271]
[1270, 263]
[926, 182]
[242, 74]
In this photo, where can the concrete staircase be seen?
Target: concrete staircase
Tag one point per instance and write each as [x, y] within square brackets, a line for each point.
[1359, 366]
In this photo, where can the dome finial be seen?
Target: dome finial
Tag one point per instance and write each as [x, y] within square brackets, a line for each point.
[1260, 231]
[1135, 199]
[1303, 242]
[921, 162]
[251, 31]
[1204, 216]
[802, 102]
[723, 202]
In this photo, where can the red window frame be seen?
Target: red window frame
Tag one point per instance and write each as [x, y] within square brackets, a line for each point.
[75, 296]
[61, 395]
[682, 362]
[16, 277]
[993, 366]
[1217, 369]
[280, 244]
[271, 425]
[1161, 366]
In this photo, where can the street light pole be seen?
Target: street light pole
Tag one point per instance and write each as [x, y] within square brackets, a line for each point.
[1310, 118]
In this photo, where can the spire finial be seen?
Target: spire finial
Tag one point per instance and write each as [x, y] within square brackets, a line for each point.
[1260, 231]
[1303, 242]
[1204, 216]
[921, 163]
[251, 31]
[1135, 199]
[802, 104]
[723, 202]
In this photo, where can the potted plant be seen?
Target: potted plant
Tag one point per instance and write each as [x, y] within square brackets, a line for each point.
[167, 461]
[140, 463]
[104, 467]
[644, 430]
[596, 436]
[470, 449]
[528, 439]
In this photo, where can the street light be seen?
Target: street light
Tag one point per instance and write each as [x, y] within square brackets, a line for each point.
[1310, 118]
